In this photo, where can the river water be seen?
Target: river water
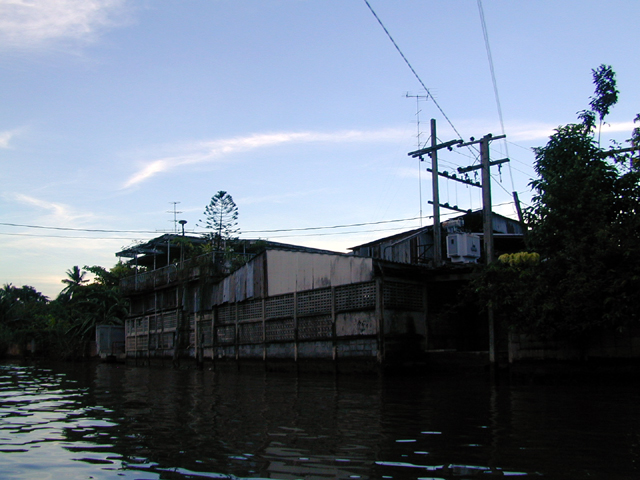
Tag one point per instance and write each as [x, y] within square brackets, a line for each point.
[104, 421]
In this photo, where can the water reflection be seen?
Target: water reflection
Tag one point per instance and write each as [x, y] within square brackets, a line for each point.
[116, 421]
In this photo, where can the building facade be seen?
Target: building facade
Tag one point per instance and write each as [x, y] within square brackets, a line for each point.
[282, 305]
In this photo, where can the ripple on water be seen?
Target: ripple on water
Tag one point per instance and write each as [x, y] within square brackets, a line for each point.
[105, 422]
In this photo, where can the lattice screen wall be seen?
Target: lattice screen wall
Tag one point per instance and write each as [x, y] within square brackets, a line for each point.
[273, 319]
[403, 296]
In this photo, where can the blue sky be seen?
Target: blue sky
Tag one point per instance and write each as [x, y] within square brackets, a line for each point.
[113, 109]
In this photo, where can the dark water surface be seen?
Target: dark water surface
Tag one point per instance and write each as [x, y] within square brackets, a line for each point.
[88, 421]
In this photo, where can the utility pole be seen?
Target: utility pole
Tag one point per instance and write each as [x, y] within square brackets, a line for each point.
[432, 151]
[487, 220]
[487, 211]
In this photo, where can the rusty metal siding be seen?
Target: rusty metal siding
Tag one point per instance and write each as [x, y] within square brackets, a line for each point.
[249, 280]
[505, 225]
[245, 283]
[410, 250]
[278, 272]
[226, 290]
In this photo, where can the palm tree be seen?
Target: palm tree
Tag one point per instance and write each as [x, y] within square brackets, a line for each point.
[74, 281]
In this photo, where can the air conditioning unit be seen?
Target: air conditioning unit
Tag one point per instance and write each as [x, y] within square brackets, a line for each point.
[463, 248]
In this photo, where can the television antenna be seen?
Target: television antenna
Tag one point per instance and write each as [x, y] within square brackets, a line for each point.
[175, 216]
[418, 135]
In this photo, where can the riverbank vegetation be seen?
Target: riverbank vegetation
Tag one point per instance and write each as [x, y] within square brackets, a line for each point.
[64, 326]
[584, 228]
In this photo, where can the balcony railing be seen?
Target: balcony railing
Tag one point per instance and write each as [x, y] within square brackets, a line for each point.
[209, 264]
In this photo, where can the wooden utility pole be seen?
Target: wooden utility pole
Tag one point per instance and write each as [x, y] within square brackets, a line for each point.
[516, 202]
[432, 151]
[487, 220]
[487, 211]
[437, 231]
[487, 208]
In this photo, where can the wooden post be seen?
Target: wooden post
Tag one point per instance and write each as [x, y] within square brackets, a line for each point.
[264, 332]
[214, 336]
[487, 224]
[237, 337]
[334, 340]
[177, 339]
[433, 153]
[516, 201]
[295, 328]
[487, 221]
[437, 233]
[380, 318]
[487, 214]
[198, 335]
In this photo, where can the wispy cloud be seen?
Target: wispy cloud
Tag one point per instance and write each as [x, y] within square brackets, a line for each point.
[521, 131]
[530, 132]
[616, 127]
[59, 213]
[281, 198]
[216, 150]
[35, 23]
[5, 137]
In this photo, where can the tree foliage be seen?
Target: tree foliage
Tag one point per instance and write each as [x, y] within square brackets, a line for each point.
[604, 97]
[75, 279]
[221, 219]
[606, 93]
[22, 307]
[63, 327]
[584, 224]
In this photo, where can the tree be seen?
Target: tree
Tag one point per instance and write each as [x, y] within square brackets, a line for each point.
[103, 276]
[83, 304]
[75, 279]
[221, 218]
[604, 97]
[585, 226]
[24, 315]
[22, 307]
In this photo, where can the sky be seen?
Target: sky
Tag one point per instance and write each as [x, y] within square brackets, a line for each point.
[115, 113]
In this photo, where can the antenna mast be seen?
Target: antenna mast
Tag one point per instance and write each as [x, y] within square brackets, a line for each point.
[175, 216]
[418, 97]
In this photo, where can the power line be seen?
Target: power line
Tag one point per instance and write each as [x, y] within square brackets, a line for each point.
[334, 226]
[412, 69]
[62, 236]
[151, 232]
[528, 149]
[337, 233]
[270, 236]
[495, 83]
[97, 230]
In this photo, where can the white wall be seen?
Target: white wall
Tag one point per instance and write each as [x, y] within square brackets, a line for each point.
[296, 271]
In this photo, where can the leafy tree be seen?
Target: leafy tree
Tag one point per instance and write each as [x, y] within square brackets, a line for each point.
[83, 305]
[221, 218]
[606, 94]
[604, 97]
[111, 277]
[121, 270]
[25, 314]
[62, 327]
[585, 226]
[97, 304]
[22, 307]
